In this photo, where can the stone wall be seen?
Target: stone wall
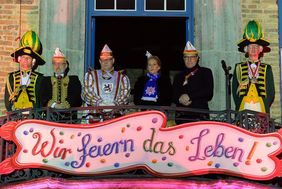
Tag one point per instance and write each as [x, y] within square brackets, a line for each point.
[62, 24]
[217, 30]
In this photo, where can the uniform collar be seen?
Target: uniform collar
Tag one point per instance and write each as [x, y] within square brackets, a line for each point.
[25, 73]
[59, 75]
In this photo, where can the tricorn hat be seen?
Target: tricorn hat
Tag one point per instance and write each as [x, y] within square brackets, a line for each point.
[253, 34]
[30, 45]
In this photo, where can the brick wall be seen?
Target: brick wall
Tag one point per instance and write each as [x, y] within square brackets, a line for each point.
[266, 12]
[12, 25]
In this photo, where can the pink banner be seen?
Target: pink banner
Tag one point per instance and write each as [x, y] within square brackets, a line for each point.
[140, 140]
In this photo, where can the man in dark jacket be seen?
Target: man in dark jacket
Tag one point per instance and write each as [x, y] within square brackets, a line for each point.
[61, 91]
[193, 87]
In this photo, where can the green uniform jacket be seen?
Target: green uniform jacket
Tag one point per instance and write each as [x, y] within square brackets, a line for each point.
[33, 90]
[265, 85]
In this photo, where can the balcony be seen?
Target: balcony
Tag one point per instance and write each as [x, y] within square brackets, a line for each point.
[249, 120]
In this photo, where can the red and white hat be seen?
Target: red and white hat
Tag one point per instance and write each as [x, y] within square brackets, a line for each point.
[58, 54]
[106, 53]
[190, 50]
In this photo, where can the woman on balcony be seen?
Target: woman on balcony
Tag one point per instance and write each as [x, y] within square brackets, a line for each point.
[153, 88]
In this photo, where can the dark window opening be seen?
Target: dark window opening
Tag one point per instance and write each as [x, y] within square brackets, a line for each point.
[126, 4]
[154, 4]
[105, 4]
[129, 38]
[175, 5]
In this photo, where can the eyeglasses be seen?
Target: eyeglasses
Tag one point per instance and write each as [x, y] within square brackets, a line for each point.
[190, 57]
[106, 60]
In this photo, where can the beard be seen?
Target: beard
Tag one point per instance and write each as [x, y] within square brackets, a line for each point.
[60, 71]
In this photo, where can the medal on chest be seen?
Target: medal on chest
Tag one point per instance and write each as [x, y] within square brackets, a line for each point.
[253, 70]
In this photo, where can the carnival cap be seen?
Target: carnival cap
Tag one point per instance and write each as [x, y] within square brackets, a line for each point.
[30, 45]
[253, 34]
[190, 50]
[59, 55]
[148, 54]
[106, 53]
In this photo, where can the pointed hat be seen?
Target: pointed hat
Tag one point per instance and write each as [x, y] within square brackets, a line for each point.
[58, 55]
[189, 49]
[106, 52]
[148, 54]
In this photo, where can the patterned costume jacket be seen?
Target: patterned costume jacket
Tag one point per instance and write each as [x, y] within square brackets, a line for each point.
[19, 96]
[256, 94]
[66, 90]
[100, 91]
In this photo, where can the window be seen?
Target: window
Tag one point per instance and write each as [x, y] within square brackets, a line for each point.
[105, 4]
[126, 4]
[171, 5]
[132, 10]
[155, 5]
[115, 5]
[175, 5]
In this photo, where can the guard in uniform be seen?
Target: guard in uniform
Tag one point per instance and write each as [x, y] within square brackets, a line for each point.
[23, 86]
[253, 84]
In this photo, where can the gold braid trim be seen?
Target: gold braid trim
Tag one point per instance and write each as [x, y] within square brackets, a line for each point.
[31, 87]
[54, 91]
[27, 97]
[264, 81]
[17, 85]
[242, 84]
[12, 93]
[63, 91]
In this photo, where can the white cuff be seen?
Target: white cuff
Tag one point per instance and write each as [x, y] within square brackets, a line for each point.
[53, 105]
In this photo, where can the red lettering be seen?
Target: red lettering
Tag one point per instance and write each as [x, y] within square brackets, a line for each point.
[42, 149]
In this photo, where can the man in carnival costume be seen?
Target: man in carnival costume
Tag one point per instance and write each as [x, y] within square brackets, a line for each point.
[253, 85]
[62, 91]
[193, 87]
[106, 87]
[23, 86]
